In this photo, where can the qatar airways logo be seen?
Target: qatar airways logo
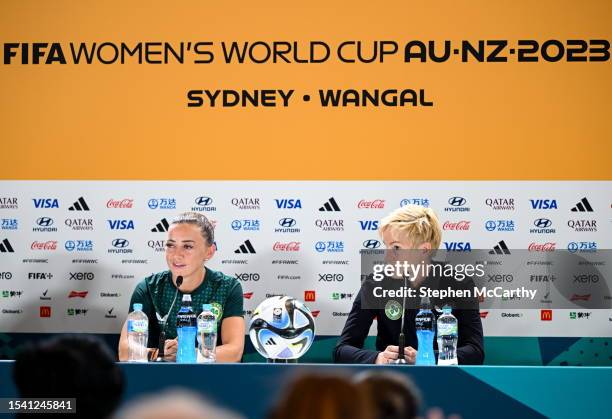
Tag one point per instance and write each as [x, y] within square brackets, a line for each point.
[374, 204]
[48, 245]
[120, 203]
[286, 247]
[458, 226]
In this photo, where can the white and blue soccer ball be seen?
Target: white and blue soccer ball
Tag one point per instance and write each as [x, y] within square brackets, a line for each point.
[282, 328]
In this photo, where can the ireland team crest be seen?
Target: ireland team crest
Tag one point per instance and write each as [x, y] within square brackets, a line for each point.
[217, 310]
[393, 310]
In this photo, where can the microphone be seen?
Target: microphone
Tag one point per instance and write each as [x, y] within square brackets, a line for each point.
[401, 359]
[163, 321]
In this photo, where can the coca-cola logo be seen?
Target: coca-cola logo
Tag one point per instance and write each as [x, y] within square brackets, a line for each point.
[120, 203]
[542, 247]
[286, 247]
[48, 245]
[374, 204]
[460, 225]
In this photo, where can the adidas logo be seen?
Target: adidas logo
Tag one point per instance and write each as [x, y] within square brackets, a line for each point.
[330, 205]
[270, 342]
[583, 206]
[79, 205]
[161, 227]
[5, 247]
[500, 249]
[246, 247]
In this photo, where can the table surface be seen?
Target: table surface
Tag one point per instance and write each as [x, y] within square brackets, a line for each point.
[472, 391]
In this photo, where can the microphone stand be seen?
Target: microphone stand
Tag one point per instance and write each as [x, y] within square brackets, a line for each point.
[401, 358]
[163, 321]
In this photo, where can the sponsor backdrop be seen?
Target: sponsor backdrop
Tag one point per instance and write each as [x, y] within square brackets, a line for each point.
[72, 252]
[517, 92]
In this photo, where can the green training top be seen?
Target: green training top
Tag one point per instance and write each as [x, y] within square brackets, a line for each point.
[156, 293]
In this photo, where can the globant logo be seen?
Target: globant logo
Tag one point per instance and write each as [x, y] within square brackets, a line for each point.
[246, 203]
[424, 202]
[204, 204]
[457, 204]
[500, 225]
[79, 245]
[245, 225]
[329, 246]
[500, 204]
[162, 203]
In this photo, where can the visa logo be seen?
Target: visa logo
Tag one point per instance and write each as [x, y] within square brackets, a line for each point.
[121, 224]
[458, 246]
[45, 203]
[368, 225]
[543, 203]
[288, 203]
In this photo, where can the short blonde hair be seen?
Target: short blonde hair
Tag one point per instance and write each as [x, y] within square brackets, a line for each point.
[418, 223]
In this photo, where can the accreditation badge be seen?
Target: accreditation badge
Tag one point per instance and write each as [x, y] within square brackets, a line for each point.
[393, 310]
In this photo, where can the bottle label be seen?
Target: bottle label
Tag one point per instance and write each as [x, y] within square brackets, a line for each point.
[447, 329]
[138, 326]
[207, 327]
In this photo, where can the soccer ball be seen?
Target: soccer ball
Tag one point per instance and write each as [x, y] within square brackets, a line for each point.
[282, 328]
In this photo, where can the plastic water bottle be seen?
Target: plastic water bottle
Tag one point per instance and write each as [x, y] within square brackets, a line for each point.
[447, 338]
[186, 331]
[207, 335]
[425, 334]
[138, 334]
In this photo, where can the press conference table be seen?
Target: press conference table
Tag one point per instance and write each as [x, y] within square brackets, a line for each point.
[471, 391]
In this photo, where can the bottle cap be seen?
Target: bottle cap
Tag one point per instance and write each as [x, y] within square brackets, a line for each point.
[137, 307]
[447, 309]
[187, 297]
[206, 307]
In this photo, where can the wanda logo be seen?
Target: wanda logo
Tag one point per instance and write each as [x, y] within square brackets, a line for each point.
[375, 204]
[286, 247]
[461, 225]
[48, 245]
[544, 247]
[120, 203]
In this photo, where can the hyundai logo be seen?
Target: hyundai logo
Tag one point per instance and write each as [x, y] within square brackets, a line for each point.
[572, 247]
[320, 246]
[120, 243]
[490, 225]
[70, 245]
[153, 203]
[542, 223]
[203, 201]
[236, 224]
[44, 221]
[457, 201]
[287, 222]
[371, 244]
